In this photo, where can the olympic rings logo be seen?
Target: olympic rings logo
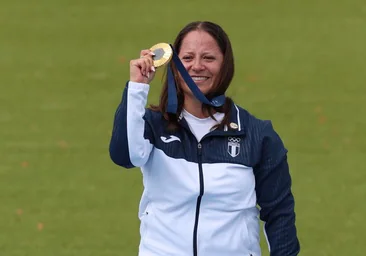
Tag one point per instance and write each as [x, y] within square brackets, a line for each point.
[234, 139]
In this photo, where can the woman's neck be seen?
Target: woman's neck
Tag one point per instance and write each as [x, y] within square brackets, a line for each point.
[194, 107]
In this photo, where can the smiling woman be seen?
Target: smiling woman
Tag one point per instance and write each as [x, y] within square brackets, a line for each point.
[203, 59]
[208, 169]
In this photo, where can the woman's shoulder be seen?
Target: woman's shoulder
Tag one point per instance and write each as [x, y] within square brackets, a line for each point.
[255, 125]
[261, 132]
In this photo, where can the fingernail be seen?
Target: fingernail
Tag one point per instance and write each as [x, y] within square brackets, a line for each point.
[152, 68]
[148, 74]
[152, 53]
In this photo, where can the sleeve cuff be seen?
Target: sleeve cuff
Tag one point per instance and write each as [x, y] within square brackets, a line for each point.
[138, 86]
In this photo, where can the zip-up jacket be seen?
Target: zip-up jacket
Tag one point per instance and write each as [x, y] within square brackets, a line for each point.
[203, 198]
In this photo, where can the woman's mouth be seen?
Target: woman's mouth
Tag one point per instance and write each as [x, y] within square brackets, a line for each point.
[199, 78]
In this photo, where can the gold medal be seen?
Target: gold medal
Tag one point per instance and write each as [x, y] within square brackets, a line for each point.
[163, 54]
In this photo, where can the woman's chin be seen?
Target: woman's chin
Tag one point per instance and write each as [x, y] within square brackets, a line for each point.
[204, 87]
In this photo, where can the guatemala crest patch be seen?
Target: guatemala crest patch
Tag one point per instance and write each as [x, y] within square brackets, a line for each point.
[233, 147]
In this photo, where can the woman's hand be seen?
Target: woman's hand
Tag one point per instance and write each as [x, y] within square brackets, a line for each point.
[142, 70]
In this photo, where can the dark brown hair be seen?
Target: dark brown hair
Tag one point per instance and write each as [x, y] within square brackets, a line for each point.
[220, 85]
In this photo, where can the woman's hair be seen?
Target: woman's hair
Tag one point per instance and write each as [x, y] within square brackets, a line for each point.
[221, 84]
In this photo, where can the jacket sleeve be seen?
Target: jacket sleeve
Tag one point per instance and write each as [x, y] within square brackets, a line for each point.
[274, 196]
[131, 141]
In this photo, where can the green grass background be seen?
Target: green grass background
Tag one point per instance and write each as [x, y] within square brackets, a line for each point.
[63, 65]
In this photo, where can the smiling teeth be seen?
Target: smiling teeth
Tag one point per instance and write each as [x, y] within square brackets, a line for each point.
[199, 78]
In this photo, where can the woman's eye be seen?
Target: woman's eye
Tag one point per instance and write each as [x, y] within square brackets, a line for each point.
[187, 57]
[209, 57]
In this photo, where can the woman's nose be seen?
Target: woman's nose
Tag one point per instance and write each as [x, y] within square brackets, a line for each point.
[197, 65]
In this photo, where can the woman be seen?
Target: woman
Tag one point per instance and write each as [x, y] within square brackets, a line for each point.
[205, 167]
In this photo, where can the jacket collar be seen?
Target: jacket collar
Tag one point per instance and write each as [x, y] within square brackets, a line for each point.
[235, 127]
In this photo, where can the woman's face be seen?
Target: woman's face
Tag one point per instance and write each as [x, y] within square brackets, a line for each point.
[202, 58]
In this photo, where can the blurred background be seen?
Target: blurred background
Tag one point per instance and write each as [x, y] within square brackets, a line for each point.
[63, 67]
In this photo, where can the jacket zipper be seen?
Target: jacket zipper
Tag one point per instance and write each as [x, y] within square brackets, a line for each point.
[198, 205]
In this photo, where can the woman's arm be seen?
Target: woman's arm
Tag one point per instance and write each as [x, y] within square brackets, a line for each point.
[131, 141]
[274, 196]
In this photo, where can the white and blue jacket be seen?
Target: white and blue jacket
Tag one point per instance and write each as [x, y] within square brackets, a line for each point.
[202, 198]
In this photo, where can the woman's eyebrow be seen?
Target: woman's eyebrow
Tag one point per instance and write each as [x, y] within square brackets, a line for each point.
[203, 53]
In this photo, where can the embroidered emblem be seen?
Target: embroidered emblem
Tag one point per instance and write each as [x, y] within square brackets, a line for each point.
[233, 146]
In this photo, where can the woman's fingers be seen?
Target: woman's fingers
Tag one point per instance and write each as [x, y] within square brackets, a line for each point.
[148, 55]
[143, 67]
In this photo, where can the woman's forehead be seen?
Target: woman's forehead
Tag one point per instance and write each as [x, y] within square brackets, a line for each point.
[199, 41]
